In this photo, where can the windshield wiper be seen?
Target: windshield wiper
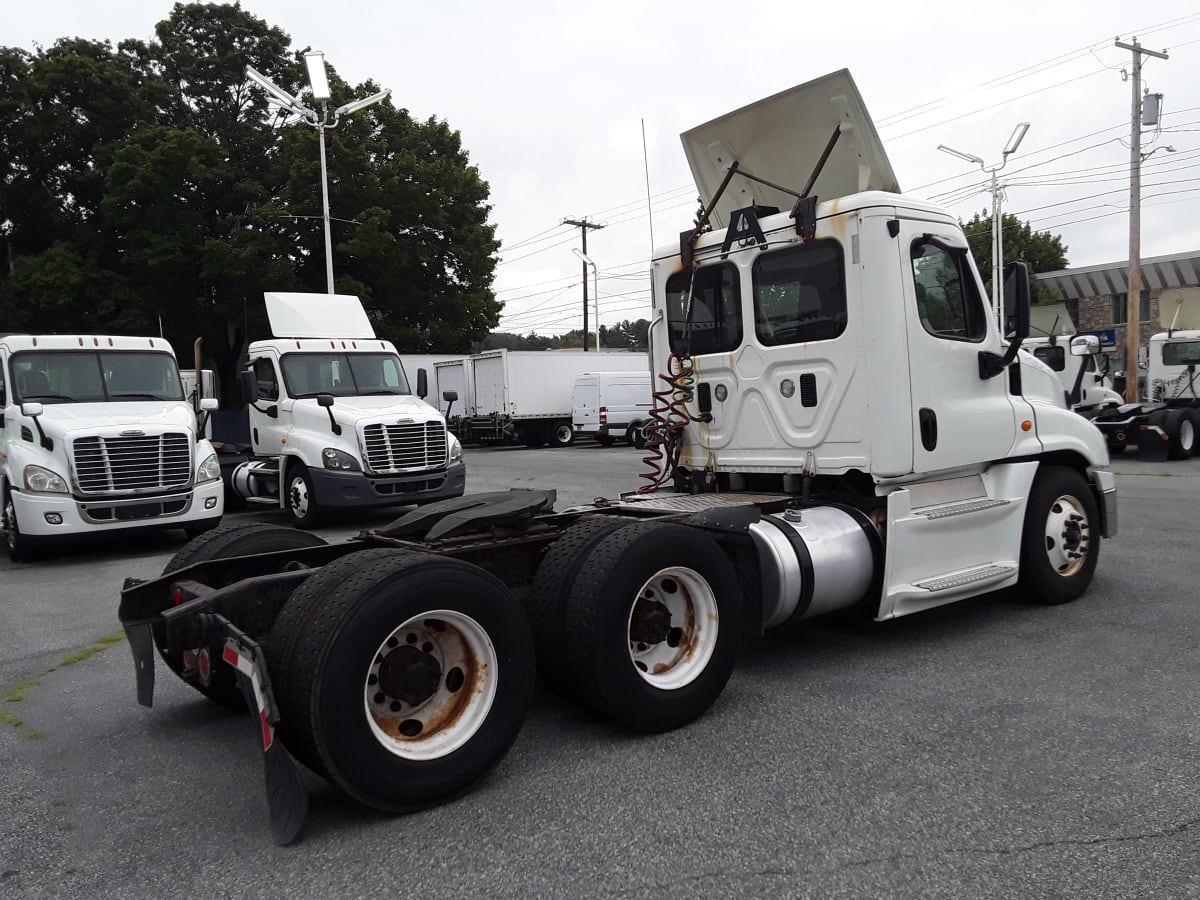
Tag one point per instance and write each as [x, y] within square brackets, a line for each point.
[48, 397]
[136, 396]
[380, 393]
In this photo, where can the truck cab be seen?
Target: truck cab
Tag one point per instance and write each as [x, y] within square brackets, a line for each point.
[96, 436]
[1094, 384]
[334, 421]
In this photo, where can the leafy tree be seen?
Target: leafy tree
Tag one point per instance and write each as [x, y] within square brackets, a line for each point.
[150, 184]
[1043, 251]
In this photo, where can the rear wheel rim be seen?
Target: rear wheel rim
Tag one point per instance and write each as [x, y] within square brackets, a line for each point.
[563, 434]
[1187, 435]
[430, 685]
[1067, 535]
[672, 628]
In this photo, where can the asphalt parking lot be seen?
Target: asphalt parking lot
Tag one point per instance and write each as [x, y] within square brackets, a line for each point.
[987, 749]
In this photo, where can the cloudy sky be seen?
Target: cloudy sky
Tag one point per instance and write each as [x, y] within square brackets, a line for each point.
[552, 98]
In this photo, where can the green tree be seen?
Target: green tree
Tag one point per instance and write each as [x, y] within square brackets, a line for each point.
[1043, 251]
[150, 184]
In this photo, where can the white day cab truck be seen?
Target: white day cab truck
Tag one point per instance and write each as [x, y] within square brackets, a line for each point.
[611, 406]
[1166, 424]
[840, 427]
[334, 423]
[96, 437]
[1088, 387]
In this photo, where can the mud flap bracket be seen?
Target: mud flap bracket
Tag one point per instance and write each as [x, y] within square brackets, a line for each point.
[141, 645]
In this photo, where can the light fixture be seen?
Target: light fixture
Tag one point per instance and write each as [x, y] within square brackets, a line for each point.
[275, 90]
[317, 78]
[356, 105]
[1017, 136]
[969, 157]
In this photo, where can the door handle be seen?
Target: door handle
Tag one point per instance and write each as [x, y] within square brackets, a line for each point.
[928, 421]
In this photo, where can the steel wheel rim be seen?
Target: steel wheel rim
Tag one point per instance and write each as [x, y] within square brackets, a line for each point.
[563, 434]
[679, 657]
[1067, 535]
[467, 673]
[1187, 434]
[298, 495]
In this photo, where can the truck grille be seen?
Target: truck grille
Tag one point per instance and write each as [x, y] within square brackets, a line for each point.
[120, 465]
[404, 448]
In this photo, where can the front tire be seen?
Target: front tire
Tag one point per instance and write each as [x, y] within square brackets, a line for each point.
[1060, 543]
[302, 497]
[19, 547]
[652, 625]
[403, 677]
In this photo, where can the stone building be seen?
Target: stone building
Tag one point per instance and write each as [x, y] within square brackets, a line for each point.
[1096, 296]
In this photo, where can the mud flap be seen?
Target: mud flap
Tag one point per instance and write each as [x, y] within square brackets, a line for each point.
[1153, 443]
[141, 645]
[287, 799]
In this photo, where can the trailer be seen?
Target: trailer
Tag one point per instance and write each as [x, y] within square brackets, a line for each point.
[524, 396]
[454, 377]
[792, 473]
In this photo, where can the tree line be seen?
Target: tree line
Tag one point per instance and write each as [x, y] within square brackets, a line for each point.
[147, 188]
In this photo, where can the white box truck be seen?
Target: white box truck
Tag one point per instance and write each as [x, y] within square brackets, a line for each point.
[334, 422]
[454, 377]
[848, 431]
[525, 395]
[96, 437]
[611, 406]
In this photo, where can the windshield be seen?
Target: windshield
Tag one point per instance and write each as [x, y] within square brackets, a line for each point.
[343, 374]
[94, 376]
[1181, 353]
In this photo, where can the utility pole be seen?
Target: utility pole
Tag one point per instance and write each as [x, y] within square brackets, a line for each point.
[1134, 297]
[583, 225]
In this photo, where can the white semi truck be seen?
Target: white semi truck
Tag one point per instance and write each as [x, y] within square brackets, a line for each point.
[96, 437]
[840, 427]
[334, 422]
[1166, 424]
[1087, 385]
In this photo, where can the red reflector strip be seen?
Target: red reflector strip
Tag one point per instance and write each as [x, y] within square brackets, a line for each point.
[178, 595]
[230, 656]
[268, 733]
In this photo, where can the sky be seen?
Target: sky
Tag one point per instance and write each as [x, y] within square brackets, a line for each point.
[570, 111]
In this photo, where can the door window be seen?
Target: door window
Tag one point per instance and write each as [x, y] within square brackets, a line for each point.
[268, 381]
[948, 299]
[1055, 357]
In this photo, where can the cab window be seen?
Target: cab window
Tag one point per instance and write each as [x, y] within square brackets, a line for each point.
[714, 322]
[800, 294]
[948, 299]
[1054, 357]
[1181, 353]
[268, 381]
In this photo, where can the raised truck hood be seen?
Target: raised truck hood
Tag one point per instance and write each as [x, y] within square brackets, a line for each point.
[781, 139]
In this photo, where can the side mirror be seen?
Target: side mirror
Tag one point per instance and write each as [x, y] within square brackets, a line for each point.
[31, 408]
[325, 400]
[450, 396]
[248, 382]
[208, 404]
[422, 383]
[1085, 345]
[1016, 301]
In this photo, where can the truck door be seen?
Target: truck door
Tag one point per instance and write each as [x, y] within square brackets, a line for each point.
[959, 419]
[266, 431]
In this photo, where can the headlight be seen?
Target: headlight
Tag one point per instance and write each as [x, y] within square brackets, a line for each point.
[336, 459]
[44, 481]
[455, 448]
[210, 470]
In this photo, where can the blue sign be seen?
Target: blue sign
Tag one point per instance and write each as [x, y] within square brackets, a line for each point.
[1108, 337]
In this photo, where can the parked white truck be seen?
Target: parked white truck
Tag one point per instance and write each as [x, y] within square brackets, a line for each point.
[96, 437]
[841, 427]
[334, 423]
[525, 395]
[612, 405]
[1165, 425]
[1087, 385]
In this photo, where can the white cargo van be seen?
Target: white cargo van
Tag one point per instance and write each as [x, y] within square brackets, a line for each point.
[612, 405]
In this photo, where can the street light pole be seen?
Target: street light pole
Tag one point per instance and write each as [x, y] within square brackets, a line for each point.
[587, 261]
[997, 189]
[319, 83]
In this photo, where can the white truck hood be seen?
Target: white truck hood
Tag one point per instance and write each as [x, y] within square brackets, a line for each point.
[782, 138]
[381, 406]
[61, 419]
